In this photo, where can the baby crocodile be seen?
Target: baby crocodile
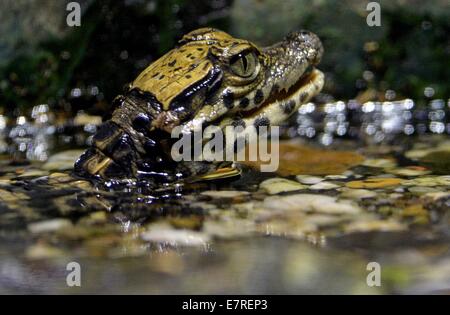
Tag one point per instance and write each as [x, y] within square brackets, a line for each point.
[210, 77]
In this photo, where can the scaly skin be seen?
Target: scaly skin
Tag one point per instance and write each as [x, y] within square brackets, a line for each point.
[209, 78]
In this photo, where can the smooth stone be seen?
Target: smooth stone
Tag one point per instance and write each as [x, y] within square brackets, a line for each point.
[229, 228]
[423, 190]
[358, 193]
[49, 226]
[438, 195]
[311, 203]
[324, 186]
[410, 172]
[309, 180]
[224, 193]
[62, 161]
[430, 181]
[374, 183]
[374, 226]
[381, 163]
[83, 119]
[162, 233]
[42, 251]
[33, 173]
[323, 220]
[336, 177]
[275, 186]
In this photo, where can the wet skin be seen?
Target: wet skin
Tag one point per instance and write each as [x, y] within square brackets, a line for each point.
[210, 77]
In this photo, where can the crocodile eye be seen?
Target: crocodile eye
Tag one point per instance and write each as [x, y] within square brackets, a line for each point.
[243, 64]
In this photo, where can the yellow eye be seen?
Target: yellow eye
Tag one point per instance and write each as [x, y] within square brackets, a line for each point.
[243, 64]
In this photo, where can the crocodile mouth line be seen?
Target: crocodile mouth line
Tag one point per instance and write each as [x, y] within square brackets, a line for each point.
[306, 87]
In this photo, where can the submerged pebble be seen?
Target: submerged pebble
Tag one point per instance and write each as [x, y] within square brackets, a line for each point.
[374, 226]
[311, 203]
[275, 186]
[324, 186]
[357, 193]
[165, 234]
[62, 161]
[49, 226]
[374, 183]
[309, 180]
[224, 194]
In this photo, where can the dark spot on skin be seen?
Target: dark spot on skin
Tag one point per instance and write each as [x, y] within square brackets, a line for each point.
[183, 102]
[205, 67]
[259, 97]
[303, 97]
[228, 99]
[162, 76]
[106, 131]
[188, 76]
[275, 89]
[261, 122]
[182, 50]
[137, 96]
[200, 49]
[155, 75]
[189, 55]
[116, 171]
[288, 107]
[192, 58]
[238, 123]
[171, 64]
[244, 102]
[141, 122]
[149, 145]
[123, 151]
[177, 69]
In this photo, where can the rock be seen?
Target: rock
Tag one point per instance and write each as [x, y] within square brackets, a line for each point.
[336, 177]
[324, 186]
[83, 119]
[229, 228]
[309, 180]
[380, 163]
[43, 251]
[374, 226]
[311, 203]
[192, 222]
[429, 181]
[357, 193]
[419, 151]
[33, 173]
[420, 190]
[275, 186]
[161, 233]
[296, 159]
[417, 212]
[62, 161]
[49, 226]
[438, 162]
[411, 171]
[374, 183]
[438, 195]
[228, 194]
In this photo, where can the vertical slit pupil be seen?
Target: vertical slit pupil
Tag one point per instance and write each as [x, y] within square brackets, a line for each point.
[244, 62]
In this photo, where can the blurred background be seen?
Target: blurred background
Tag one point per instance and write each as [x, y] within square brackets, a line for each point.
[65, 78]
[43, 61]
